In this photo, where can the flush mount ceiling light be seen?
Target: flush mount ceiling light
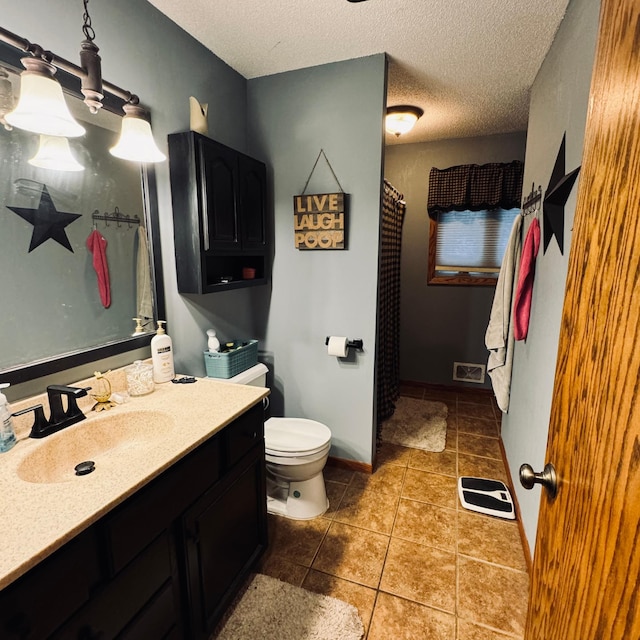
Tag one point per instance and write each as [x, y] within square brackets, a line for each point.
[400, 119]
[42, 109]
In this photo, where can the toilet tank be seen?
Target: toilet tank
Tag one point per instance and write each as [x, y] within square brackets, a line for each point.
[255, 376]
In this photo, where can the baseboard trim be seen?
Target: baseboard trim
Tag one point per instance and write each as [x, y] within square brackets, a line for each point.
[525, 543]
[350, 465]
[446, 387]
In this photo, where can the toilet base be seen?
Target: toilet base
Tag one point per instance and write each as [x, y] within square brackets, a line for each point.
[297, 500]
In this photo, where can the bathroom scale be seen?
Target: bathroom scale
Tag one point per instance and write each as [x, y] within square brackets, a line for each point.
[490, 497]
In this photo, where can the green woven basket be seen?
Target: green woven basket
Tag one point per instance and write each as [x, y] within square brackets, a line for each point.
[231, 363]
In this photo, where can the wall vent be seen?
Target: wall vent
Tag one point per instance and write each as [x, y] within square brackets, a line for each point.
[468, 372]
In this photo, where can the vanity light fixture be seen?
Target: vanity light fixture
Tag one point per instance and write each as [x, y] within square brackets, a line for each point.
[400, 119]
[54, 153]
[41, 107]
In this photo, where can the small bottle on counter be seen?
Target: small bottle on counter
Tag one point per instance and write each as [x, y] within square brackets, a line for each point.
[162, 355]
[7, 433]
[213, 343]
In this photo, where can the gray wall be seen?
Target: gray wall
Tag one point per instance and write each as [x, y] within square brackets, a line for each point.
[338, 108]
[440, 324]
[559, 101]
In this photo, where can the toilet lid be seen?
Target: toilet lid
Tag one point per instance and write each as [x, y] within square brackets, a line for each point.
[291, 436]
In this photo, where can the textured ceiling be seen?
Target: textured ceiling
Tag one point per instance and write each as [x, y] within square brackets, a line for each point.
[469, 64]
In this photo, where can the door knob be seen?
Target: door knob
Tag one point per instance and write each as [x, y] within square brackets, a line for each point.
[548, 478]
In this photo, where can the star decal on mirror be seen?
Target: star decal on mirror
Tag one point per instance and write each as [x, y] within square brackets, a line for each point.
[48, 223]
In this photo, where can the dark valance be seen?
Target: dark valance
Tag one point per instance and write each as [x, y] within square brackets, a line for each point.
[475, 187]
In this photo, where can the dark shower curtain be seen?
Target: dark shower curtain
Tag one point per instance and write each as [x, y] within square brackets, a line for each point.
[388, 365]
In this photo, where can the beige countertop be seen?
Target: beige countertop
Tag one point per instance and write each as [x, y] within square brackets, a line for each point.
[39, 517]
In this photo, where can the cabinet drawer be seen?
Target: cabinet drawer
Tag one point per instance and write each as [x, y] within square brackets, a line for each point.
[40, 601]
[141, 518]
[124, 597]
[157, 619]
[243, 434]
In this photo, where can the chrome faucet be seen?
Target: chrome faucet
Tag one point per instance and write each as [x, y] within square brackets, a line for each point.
[60, 417]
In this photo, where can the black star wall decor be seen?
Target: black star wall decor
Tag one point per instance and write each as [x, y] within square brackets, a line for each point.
[556, 197]
[48, 223]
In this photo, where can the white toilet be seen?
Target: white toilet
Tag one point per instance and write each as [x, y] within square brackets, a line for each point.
[296, 450]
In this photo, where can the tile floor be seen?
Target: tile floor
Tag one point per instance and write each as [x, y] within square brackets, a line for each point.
[397, 544]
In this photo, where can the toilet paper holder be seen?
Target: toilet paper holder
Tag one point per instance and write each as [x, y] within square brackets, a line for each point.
[351, 344]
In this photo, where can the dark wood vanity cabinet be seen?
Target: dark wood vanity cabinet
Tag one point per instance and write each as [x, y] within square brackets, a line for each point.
[219, 215]
[164, 564]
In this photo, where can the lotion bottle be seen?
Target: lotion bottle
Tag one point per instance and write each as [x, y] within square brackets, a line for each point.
[162, 355]
[7, 434]
[213, 343]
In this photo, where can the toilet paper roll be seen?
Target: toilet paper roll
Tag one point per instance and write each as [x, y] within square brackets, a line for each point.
[337, 346]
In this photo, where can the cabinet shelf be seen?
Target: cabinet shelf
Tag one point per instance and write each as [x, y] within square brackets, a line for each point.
[219, 215]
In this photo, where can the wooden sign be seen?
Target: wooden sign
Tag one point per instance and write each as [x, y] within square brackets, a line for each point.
[319, 221]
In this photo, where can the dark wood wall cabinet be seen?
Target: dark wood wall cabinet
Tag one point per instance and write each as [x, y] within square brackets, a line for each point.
[165, 563]
[220, 215]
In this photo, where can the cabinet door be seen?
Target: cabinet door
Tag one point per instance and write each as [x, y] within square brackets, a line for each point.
[219, 184]
[253, 198]
[226, 532]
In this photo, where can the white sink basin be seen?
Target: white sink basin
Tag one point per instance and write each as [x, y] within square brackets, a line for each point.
[110, 440]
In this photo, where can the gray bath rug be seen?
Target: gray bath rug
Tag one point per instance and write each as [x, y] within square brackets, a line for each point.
[421, 424]
[276, 610]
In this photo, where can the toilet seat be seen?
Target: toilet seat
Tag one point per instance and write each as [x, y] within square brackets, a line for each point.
[295, 437]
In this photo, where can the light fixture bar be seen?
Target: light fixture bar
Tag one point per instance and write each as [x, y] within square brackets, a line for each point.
[73, 69]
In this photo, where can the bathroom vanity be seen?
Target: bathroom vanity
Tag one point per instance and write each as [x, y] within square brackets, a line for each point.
[153, 551]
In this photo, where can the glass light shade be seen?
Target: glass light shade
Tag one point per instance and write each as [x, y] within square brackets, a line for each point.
[401, 120]
[136, 141]
[54, 153]
[41, 107]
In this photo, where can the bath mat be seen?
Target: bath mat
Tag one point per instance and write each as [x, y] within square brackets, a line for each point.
[421, 424]
[273, 609]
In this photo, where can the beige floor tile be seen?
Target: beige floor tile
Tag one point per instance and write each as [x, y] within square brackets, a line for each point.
[492, 596]
[279, 567]
[430, 487]
[471, 631]
[478, 426]
[297, 540]
[398, 619]
[337, 474]
[353, 554]
[393, 454]
[451, 443]
[367, 509]
[444, 462]
[478, 467]
[490, 539]
[385, 480]
[479, 446]
[426, 524]
[475, 410]
[421, 574]
[362, 598]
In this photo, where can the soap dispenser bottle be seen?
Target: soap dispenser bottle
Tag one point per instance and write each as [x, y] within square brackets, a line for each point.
[212, 342]
[7, 434]
[162, 355]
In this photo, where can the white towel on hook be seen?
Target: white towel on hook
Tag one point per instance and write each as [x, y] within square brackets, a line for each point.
[499, 338]
[143, 277]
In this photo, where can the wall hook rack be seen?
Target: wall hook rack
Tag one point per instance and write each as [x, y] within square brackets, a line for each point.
[533, 200]
[115, 216]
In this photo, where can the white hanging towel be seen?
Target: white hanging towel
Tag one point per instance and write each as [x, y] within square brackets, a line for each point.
[143, 277]
[499, 335]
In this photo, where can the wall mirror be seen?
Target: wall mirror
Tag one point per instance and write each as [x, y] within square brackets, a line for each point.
[54, 305]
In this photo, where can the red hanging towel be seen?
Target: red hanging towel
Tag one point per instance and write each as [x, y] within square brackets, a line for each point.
[524, 291]
[97, 244]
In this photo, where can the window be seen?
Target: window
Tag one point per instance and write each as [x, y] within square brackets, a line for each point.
[467, 247]
[471, 211]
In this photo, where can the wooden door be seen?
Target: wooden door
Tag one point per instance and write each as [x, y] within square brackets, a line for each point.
[585, 581]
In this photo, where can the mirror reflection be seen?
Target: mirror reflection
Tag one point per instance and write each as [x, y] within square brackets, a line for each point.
[75, 258]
